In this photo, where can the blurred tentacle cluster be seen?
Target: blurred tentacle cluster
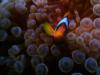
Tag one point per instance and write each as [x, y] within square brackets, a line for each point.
[25, 47]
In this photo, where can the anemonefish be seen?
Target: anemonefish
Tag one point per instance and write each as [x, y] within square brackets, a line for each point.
[60, 29]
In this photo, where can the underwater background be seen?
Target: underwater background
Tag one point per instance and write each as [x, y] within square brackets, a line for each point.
[29, 47]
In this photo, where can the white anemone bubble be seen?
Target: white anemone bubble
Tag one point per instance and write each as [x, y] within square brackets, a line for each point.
[30, 34]
[41, 10]
[5, 23]
[16, 31]
[80, 41]
[41, 69]
[93, 2]
[87, 37]
[18, 66]
[65, 64]
[4, 1]
[94, 45]
[33, 9]
[96, 23]
[72, 25]
[31, 23]
[90, 65]
[79, 30]
[21, 2]
[44, 16]
[96, 33]
[38, 17]
[55, 51]
[4, 12]
[31, 50]
[3, 35]
[71, 36]
[96, 9]
[58, 10]
[78, 56]
[40, 3]
[31, 16]
[20, 7]
[14, 50]
[43, 50]
[77, 74]
[86, 23]
[39, 29]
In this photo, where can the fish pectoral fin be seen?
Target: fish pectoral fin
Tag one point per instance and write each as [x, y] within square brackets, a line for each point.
[48, 29]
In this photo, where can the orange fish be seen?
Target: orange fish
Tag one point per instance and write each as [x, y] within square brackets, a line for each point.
[60, 29]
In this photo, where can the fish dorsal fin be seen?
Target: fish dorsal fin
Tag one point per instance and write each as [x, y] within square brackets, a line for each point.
[62, 21]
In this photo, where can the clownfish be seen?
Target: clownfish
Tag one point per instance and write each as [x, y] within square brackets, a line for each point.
[60, 29]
